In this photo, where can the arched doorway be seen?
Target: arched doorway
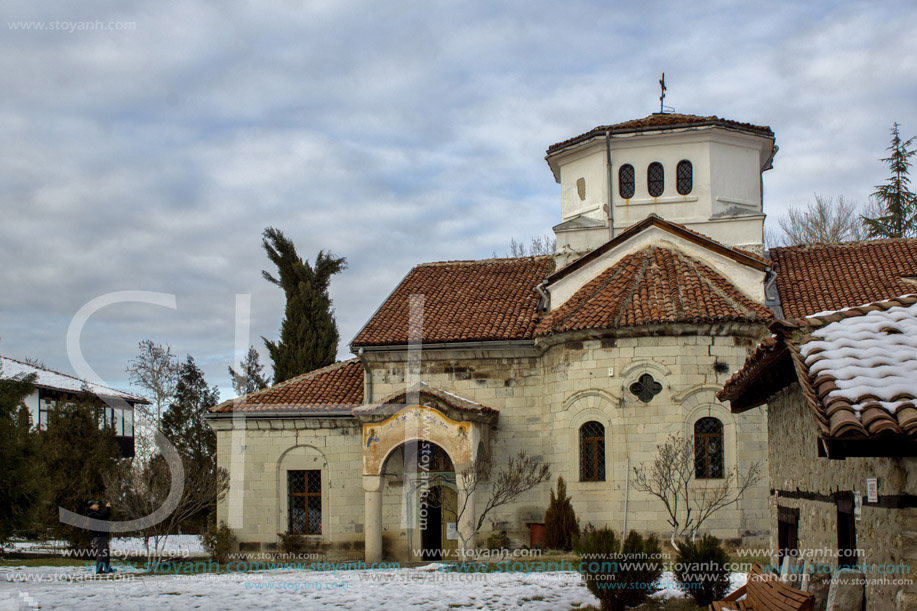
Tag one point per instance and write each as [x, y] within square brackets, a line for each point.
[430, 478]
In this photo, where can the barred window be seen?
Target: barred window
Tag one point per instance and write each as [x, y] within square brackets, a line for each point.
[627, 183]
[304, 489]
[708, 449]
[684, 177]
[592, 452]
[655, 179]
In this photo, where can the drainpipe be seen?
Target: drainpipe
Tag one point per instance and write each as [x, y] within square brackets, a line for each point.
[367, 379]
[626, 492]
[611, 209]
[546, 299]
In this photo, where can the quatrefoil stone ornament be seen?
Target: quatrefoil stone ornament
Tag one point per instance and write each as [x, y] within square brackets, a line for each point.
[646, 388]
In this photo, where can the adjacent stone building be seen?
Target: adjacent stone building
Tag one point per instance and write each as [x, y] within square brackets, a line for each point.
[586, 360]
[841, 393]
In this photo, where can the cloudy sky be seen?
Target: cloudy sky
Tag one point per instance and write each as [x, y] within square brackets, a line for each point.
[146, 146]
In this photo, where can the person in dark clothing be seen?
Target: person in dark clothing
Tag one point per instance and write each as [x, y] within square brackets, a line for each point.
[100, 538]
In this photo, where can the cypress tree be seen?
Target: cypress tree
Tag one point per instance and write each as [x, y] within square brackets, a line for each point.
[897, 200]
[561, 528]
[308, 333]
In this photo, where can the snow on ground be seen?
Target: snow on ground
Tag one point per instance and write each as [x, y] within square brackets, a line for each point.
[417, 588]
[175, 545]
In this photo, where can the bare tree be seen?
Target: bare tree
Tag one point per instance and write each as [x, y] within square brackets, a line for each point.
[826, 220]
[519, 475]
[140, 487]
[669, 478]
[155, 370]
[544, 245]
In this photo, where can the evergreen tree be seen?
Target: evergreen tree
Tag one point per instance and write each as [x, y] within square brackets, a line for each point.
[250, 377]
[76, 455]
[561, 528]
[183, 424]
[308, 333]
[898, 202]
[21, 482]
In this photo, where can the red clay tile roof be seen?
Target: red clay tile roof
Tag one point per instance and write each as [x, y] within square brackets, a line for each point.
[657, 121]
[654, 220]
[823, 277]
[855, 368]
[425, 390]
[335, 388]
[654, 285]
[464, 301]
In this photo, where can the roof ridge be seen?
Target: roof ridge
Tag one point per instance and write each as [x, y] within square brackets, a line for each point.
[702, 272]
[635, 281]
[482, 261]
[850, 244]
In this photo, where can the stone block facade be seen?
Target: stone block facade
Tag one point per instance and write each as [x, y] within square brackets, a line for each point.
[886, 535]
[545, 391]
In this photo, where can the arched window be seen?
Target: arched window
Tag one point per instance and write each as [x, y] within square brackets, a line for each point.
[627, 182]
[655, 179]
[708, 449]
[592, 452]
[684, 177]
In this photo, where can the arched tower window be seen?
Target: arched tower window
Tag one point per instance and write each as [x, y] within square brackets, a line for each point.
[684, 177]
[655, 179]
[592, 452]
[627, 183]
[708, 449]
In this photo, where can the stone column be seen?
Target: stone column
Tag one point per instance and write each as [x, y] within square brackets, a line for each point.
[468, 519]
[372, 530]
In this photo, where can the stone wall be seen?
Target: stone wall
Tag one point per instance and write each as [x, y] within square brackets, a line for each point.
[545, 392]
[256, 505]
[885, 536]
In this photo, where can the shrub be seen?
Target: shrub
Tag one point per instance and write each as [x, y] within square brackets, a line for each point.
[561, 528]
[498, 540]
[219, 541]
[701, 569]
[620, 576]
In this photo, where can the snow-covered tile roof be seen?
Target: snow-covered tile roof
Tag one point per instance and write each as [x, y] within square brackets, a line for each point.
[872, 358]
[45, 378]
[856, 366]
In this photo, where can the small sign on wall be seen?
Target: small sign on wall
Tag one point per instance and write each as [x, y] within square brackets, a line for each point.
[857, 504]
[872, 489]
[451, 531]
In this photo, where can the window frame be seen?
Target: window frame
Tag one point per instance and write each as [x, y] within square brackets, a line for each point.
[632, 182]
[596, 471]
[703, 439]
[650, 182]
[689, 178]
[305, 497]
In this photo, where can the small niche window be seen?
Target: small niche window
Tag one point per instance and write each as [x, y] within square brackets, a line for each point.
[627, 183]
[655, 179]
[684, 177]
[592, 452]
[304, 489]
[708, 449]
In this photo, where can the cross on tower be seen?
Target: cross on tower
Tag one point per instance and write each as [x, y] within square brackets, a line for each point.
[662, 97]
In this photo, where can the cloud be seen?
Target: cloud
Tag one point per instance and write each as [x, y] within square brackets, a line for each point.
[389, 133]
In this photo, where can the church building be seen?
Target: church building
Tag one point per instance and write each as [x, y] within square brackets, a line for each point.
[587, 360]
